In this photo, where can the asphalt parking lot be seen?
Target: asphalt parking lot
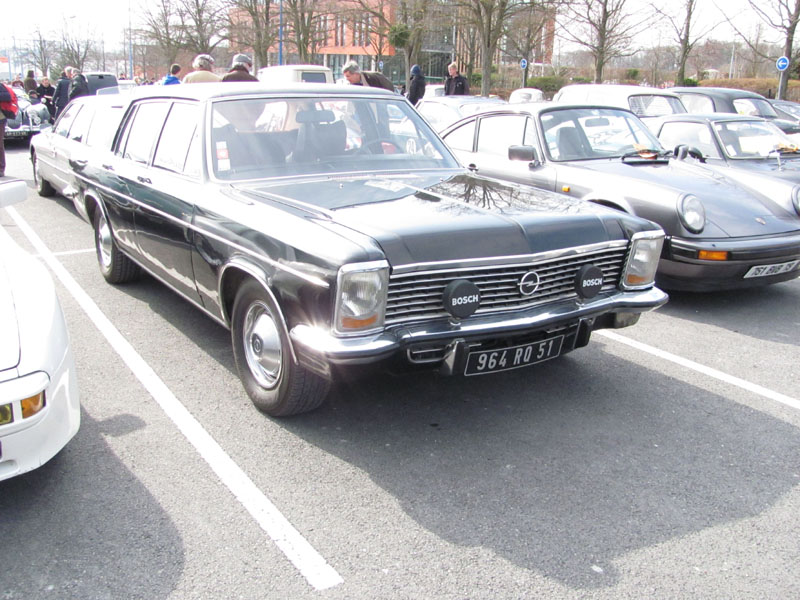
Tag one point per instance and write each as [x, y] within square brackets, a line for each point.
[660, 461]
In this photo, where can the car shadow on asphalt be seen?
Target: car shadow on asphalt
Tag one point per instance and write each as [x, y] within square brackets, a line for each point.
[759, 313]
[562, 468]
[64, 533]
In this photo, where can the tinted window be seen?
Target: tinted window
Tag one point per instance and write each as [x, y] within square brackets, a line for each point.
[312, 77]
[462, 138]
[691, 134]
[143, 129]
[498, 133]
[176, 137]
[67, 117]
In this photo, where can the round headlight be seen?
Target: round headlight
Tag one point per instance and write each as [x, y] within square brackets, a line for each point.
[692, 213]
[796, 198]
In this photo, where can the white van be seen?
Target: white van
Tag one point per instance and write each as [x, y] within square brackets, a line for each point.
[294, 73]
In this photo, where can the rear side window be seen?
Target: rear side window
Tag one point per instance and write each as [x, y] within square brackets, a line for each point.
[65, 120]
[176, 137]
[142, 130]
[696, 103]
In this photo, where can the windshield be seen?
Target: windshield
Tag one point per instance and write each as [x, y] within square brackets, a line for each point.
[591, 133]
[273, 137]
[753, 139]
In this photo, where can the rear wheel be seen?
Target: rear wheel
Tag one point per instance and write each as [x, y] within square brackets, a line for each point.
[275, 383]
[43, 186]
[114, 265]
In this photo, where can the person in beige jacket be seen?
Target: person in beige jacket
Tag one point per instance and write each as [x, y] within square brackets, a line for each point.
[202, 65]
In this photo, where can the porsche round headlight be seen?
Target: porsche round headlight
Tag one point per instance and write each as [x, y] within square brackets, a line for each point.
[692, 213]
[796, 198]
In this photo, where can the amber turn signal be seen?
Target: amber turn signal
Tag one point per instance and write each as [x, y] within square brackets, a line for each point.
[32, 405]
[712, 255]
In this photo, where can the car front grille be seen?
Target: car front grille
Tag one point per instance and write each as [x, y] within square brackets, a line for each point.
[417, 296]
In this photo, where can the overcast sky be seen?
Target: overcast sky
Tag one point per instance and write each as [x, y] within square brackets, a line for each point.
[107, 20]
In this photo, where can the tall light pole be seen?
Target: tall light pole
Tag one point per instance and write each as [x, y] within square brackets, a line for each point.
[130, 43]
[280, 32]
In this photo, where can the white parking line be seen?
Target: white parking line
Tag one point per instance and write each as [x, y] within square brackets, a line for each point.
[303, 556]
[71, 252]
[690, 364]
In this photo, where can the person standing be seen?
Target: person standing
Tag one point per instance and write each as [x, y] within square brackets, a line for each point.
[171, 78]
[455, 84]
[355, 76]
[61, 95]
[5, 96]
[79, 86]
[202, 65]
[29, 83]
[416, 87]
[240, 69]
[46, 92]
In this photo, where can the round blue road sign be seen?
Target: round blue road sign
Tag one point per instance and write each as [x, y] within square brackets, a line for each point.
[380, 65]
[523, 63]
[782, 63]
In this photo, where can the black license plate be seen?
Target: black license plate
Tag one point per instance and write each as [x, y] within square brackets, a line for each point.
[492, 361]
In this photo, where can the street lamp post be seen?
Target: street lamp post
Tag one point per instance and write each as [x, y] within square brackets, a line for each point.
[280, 32]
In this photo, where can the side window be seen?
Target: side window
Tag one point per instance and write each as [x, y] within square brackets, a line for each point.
[695, 103]
[65, 120]
[530, 133]
[463, 137]
[176, 137]
[80, 124]
[143, 130]
[104, 126]
[691, 134]
[496, 134]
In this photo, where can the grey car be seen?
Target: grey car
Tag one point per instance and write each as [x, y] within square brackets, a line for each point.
[720, 235]
[751, 151]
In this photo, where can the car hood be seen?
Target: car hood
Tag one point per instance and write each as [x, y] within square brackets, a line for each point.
[9, 340]
[424, 219]
[789, 168]
[730, 207]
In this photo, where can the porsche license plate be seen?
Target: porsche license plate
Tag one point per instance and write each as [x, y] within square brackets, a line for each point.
[491, 361]
[776, 269]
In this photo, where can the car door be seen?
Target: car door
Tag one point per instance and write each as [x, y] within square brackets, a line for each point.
[52, 157]
[165, 188]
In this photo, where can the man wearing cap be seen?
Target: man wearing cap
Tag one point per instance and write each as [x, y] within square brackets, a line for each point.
[240, 69]
[202, 65]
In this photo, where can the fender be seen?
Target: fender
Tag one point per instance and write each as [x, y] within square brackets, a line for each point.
[249, 269]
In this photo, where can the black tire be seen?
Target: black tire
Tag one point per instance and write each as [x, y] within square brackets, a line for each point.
[43, 186]
[114, 265]
[276, 384]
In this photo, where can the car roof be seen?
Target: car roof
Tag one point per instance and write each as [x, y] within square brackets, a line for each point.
[708, 117]
[618, 90]
[464, 99]
[720, 92]
[207, 91]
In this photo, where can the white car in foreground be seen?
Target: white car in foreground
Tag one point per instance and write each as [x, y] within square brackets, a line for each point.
[39, 409]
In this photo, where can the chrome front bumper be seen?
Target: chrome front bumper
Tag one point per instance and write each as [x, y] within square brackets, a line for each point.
[317, 346]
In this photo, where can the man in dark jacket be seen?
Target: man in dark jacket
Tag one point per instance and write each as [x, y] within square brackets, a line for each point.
[61, 95]
[79, 86]
[455, 84]
[46, 92]
[240, 69]
[416, 88]
[355, 76]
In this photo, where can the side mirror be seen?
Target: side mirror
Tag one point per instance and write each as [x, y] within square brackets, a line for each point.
[524, 153]
[681, 151]
[12, 192]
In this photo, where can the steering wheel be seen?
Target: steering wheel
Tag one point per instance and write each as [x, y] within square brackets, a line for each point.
[374, 143]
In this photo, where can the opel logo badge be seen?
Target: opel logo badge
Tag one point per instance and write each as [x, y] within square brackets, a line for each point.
[529, 283]
[760, 220]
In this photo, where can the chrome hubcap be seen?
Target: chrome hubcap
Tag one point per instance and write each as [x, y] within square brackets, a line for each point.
[262, 345]
[104, 241]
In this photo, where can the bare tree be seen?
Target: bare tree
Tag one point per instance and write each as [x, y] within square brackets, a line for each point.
[202, 22]
[682, 26]
[303, 18]
[782, 16]
[74, 49]
[526, 30]
[470, 47]
[606, 29]
[162, 27]
[488, 17]
[250, 25]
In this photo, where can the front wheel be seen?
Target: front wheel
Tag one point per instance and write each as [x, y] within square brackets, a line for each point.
[114, 265]
[275, 383]
[43, 187]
